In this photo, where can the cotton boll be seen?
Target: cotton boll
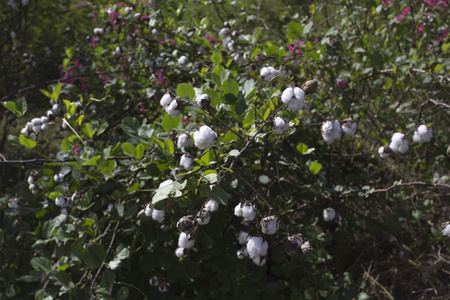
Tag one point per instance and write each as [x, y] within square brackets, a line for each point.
[238, 210]
[154, 281]
[299, 94]
[61, 202]
[296, 104]
[446, 231]
[384, 152]
[37, 129]
[329, 214]
[223, 32]
[185, 240]
[155, 32]
[183, 60]
[254, 246]
[248, 212]
[241, 254]
[175, 108]
[398, 144]
[204, 137]
[280, 125]
[36, 121]
[187, 162]
[327, 127]
[148, 210]
[243, 238]
[184, 140]
[165, 183]
[287, 95]
[403, 147]
[24, 131]
[264, 72]
[269, 225]
[337, 131]
[180, 252]
[203, 101]
[423, 134]
[264, 248]
[203, 217]
[158, 215]
[349, 128]
[422, 129]
[163, 287]
[211, 205]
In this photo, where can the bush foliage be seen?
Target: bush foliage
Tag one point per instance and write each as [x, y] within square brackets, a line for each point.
[77, 194]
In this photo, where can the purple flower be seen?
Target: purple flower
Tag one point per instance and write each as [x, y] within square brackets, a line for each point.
[341, 83]
[258, 58]
[76, 149]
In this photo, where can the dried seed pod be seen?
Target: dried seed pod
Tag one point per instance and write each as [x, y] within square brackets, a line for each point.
[187, 224]
[154, 281]
[309, 86]
[203, 217]
[14, 202]
[306, 247]
[293, 243]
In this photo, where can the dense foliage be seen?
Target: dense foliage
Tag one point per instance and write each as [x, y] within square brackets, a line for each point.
[149, 147]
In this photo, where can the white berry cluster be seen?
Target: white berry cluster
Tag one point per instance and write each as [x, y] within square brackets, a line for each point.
[188, 225]
[174, 107]
[66, 202]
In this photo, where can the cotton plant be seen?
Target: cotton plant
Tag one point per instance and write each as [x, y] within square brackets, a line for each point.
[257, 250]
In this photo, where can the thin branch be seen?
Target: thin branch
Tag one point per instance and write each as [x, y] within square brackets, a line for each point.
[256, 192]
[27, 161]
[411, 184]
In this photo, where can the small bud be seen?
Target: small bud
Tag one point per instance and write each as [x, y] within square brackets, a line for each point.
[309, 86]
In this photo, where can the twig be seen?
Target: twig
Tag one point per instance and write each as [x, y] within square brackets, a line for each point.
[411, 184]
[254, 136]
[27, 161]
[106, 254]
[256, 192]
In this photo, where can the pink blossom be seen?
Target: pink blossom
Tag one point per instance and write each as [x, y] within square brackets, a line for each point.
[387, 2]
[76, 149]
[141, 107]
[341, 83]
[420, 29]
[401, 16]
[436, 3]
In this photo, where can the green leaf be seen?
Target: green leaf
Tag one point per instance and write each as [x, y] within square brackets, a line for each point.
[185, 90]
[218, 194]
[27, 142]
[107, 166]
[216, 58]
[41, 264]
[70, 51]
[12, 107]
[56, 92]
[129, 149]
[169, 123]
[140, 149]
[122, 293]
[87, 130]
[93, 161]
[295, 30]
[307, 28]
[169, 146]
[229, 137]
[131, 126]
[438, 68]
[230, 86]
[95, 255]
[22, 106]
[315, 167]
